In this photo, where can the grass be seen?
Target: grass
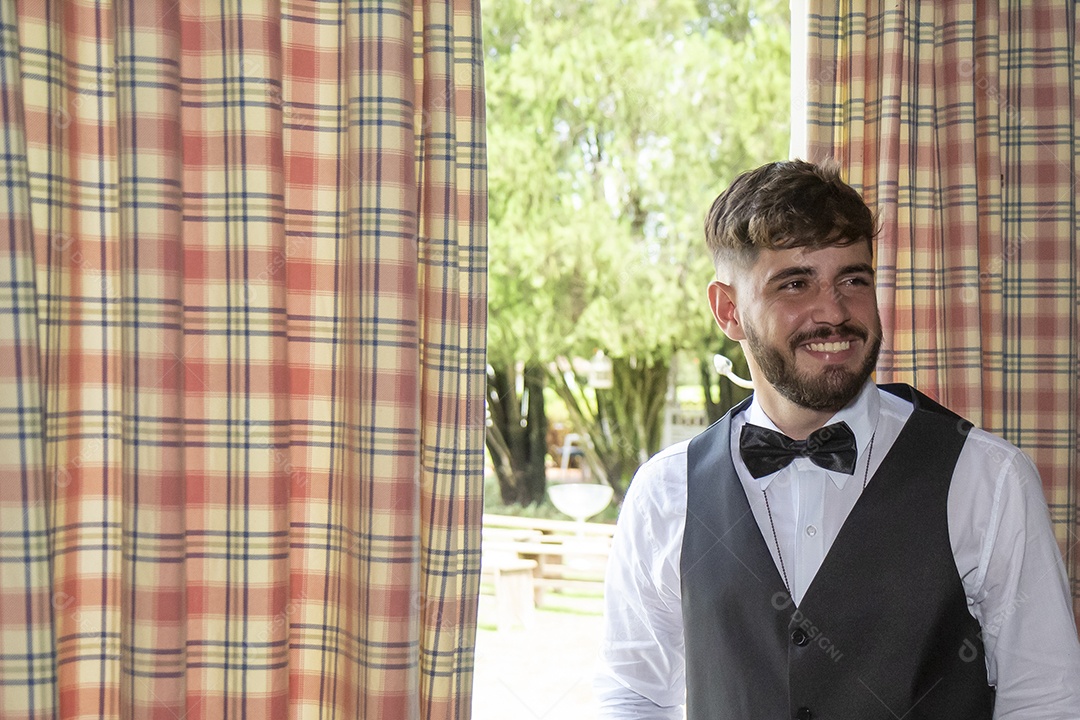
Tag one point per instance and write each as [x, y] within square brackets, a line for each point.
[570, 602]
[564, 602]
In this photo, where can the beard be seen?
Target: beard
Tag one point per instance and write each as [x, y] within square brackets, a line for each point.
[828, 391]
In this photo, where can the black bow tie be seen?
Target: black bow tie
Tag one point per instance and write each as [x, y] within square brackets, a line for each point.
[765, 451]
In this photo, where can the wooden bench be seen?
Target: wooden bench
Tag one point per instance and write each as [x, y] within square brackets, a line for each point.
[567, 555]
[544, 526]
[512, 579]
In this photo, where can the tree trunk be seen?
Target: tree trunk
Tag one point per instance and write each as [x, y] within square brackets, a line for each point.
[624, 423]
[517, 432]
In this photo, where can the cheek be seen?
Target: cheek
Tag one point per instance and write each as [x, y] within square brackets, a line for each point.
[868, 309]
[786, 317]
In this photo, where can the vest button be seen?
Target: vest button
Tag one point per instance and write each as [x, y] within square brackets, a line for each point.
[804, 713]
[801, 639]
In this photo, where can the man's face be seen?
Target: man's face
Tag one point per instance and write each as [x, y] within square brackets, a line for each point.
[810, 322]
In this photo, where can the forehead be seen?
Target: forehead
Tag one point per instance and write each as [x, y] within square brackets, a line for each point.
[818, 261]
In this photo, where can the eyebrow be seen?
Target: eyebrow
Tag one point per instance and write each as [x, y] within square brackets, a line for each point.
[807, 271]
[857, 268]
[791, 272]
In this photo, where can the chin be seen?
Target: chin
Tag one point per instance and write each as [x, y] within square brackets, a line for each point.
[830, 391]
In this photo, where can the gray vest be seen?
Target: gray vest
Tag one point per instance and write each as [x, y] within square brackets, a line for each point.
[883, 631]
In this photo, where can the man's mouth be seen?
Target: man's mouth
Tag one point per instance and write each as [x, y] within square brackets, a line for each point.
[830, 339]
[838, 346]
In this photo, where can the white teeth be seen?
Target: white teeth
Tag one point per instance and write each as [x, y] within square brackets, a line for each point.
[830, 346]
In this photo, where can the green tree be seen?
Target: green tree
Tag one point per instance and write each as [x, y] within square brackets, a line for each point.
[611, 126]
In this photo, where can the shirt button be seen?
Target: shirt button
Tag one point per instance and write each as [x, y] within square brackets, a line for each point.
[804, 713]
[811, 530]
[799, 637]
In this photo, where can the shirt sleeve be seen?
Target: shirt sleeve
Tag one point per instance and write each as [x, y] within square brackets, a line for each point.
[1019, 593]
[641, 670]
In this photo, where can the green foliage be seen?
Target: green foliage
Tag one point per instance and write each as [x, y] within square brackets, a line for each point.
[612, 124]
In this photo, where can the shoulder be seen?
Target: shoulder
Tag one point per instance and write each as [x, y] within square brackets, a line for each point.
[659, 486]
[648, 538]
[995, 480]
[986, 461]
[989, 457]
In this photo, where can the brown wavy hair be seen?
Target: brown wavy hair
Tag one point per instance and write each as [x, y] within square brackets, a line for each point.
[785, 205]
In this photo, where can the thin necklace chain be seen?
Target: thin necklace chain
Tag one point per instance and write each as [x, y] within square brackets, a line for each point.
[776, 541]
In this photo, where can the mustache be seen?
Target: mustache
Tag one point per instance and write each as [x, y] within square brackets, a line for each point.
[844, 331]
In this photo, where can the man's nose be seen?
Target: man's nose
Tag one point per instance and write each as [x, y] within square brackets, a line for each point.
[830, 307]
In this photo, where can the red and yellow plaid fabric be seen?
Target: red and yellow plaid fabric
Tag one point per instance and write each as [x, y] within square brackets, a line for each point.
[242, 338]
[958, 122]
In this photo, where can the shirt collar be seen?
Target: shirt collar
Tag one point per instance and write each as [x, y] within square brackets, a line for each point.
[861, 415]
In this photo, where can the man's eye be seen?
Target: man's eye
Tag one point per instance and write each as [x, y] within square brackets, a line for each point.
[793, 285]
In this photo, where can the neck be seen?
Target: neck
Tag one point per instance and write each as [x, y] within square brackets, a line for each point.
[795, 421]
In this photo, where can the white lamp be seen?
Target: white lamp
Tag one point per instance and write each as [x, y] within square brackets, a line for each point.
[601, 376]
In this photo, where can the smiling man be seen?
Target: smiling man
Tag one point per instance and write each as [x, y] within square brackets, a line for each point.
[830, 548]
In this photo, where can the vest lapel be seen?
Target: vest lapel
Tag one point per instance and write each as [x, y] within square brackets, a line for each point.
[730, 519]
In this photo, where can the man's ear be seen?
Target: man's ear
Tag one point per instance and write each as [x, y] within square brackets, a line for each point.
[724, 309]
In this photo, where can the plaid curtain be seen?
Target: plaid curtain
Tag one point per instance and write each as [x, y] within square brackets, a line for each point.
[242, 336]
[957, 121]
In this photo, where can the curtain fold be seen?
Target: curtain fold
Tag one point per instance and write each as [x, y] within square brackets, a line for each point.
[242, 349]
[957, 121]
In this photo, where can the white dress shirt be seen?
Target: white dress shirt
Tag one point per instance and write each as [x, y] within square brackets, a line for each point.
[999, 529]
